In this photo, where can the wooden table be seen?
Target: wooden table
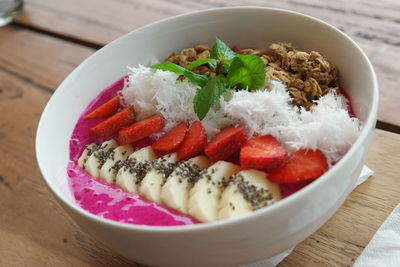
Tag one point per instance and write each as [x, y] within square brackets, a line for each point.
[52, 37]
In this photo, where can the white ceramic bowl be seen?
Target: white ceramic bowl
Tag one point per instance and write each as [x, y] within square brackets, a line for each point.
[248, 239]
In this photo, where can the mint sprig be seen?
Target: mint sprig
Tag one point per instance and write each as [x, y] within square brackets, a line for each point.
[194, 78]
[237, 72]
[200, 62]
[222, 52]
[210, 94]
[247, 72]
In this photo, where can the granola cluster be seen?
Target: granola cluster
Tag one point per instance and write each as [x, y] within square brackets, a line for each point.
[307, 75]
[188, 55]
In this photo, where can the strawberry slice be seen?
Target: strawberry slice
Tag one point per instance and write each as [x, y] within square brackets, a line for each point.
[262, 152]
[140, 129]
[107, 109]
[303, 165]
[225, 143]
[172, 139]
[113, 124]
[194, 142]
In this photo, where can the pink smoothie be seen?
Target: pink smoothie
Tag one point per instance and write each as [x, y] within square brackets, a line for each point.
[106, 200]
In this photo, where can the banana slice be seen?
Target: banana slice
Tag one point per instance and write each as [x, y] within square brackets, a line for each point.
[161, 168]
[86, 154]
[247, 191]
[175, 191]
[134, 169]
[99, 157]
[114, 162]
[205, 194]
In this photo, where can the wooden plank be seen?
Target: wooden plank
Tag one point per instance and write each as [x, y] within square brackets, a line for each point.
[20, 110]
[29, 74]
[374, 25]
[38, 59]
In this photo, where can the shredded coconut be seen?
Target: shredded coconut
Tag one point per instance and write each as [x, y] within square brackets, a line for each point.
[327, 126]
[261, 110]
[155, 91]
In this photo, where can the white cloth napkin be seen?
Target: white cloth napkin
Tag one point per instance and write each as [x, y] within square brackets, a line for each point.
[384, 247]
[273, 261]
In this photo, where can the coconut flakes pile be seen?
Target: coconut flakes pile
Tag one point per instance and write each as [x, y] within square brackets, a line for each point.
[156, 91]
[326, 126]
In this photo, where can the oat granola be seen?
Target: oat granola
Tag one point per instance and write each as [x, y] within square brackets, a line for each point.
[308, 76]
[187, 56]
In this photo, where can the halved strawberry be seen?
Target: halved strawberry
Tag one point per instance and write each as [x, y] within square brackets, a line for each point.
[105, 110]
[140, 129]
[114, 123]
[172, 139]
[262, 152]
[303, 165]
[225, 143]
[194, 142]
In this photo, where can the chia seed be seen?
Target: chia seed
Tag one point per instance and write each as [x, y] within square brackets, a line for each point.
[188, 171]
[92, 148]
[136, 168]
[102, 155]
[162, 166]
[117, 165]
[256, 197]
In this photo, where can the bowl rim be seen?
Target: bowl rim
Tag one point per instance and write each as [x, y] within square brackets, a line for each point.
[367, 127]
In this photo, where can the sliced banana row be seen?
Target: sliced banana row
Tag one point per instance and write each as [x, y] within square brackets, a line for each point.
[193, 187]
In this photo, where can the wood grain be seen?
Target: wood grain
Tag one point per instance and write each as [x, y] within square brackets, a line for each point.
[39, 60]
[29, 74]
[20, 110]
[375, 25]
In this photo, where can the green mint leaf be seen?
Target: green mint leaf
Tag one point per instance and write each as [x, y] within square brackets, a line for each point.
[194, 78]
[224, 68]
[197, 79]
[213, 65]
[168, 66]
[247, 71]
[222, 52]
[200, 62]
[210, 94]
